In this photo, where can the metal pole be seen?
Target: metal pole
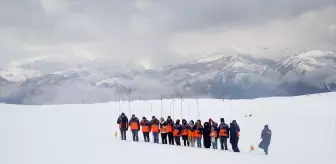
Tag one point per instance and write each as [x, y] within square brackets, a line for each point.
[119, 98]
[198, 112]
[161, 104]
[129, 101]
[173, 108]
[181, 108]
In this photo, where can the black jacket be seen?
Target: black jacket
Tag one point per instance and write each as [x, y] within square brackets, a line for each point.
[206, 135]
[123, 122]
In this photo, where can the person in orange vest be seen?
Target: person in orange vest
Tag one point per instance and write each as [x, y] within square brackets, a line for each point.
[214, 135]
[163, 130]
[155, 127]
[145, 127]
[223, 129]
[123, 125]
[135, 127]
[234, 135]
[169, 128]
[185, 132]
[191, 133]
[198, 130]
[177, 132]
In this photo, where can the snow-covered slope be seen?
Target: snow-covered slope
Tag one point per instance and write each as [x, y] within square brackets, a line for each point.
[307, 62]
[304, 132]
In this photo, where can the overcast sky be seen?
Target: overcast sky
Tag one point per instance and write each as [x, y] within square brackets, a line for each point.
[157, 32]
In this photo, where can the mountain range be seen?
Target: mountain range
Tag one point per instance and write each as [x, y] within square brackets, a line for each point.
[238, 76]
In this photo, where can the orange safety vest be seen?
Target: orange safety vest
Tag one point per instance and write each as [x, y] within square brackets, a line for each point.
[198, 133]
[163, 129]
[223, 133]
[155, 128]
[134, 126]
[175, 133]
[191, 133]
[185, 132]
[169, 129]
[213, 134]
[145, 128]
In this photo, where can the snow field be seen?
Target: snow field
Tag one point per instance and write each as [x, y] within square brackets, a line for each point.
[303, 132]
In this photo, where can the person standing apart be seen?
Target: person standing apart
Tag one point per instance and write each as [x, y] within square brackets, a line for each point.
[266, 136]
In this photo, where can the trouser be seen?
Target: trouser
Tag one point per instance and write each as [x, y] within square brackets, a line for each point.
[146, 136]
[223, 142]
[264, 145]
[199, 141]
[156, 137]
[170, 138]
[192, 141]
[214, 143]
[178, 140]
[164, 138]
[123, 134]
[135, 135]
[185, 140]
[234, 145]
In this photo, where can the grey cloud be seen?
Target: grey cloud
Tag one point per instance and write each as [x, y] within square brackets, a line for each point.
[132, 30]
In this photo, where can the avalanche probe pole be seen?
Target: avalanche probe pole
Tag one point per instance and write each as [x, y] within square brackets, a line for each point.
[129, 101]
[119, 98]
[198, 112]
[181, 108]
[161, 104]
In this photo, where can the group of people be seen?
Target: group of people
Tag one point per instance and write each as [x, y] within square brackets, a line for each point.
[191, 133]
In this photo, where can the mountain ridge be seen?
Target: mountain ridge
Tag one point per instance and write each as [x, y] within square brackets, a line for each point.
[238, 76]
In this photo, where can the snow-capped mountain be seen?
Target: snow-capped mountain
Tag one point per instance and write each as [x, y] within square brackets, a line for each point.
[214, 76]
[306, 62]
[217, 76]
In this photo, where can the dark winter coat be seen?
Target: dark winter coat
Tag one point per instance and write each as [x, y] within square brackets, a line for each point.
[155, 122]
[123, 122]
[234, 129]
[225, 127]
[266, 136]
[178, 127]
[170, 122]
[145, 123]
[185, 127]
[163, 124]
[206, 135]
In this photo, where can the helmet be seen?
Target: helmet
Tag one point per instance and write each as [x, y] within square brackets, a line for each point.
[222, 120]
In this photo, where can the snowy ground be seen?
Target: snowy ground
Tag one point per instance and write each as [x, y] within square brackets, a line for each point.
[304, 132]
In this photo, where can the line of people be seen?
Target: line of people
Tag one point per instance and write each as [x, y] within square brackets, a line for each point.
[191, 133]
